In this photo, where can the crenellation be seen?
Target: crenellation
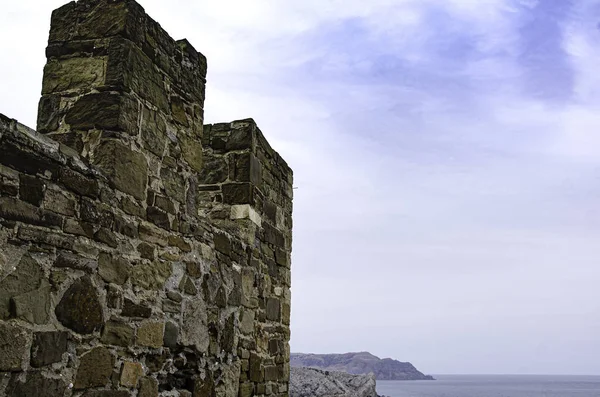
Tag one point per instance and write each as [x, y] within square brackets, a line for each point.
[141, 252]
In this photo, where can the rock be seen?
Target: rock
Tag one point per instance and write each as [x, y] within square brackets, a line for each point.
[194, 330]
[113, 269]
[127, 169]
[117, 333]
[25, 278]
[66, 259]
[151, 334]
[148, 387]
[273, 309]
[33, 306]
[37, 385]
[191, 148]
[14, 342]
[95, 369]
[359, 363]
[80, 308]
[131, 373]
[171, 335]
[107, 393]
[48, 348]
[132, 309]
[174, 184]
[151, 276]
[311, 382]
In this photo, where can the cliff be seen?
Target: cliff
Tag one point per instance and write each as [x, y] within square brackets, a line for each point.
[311, 382]
[360, 363]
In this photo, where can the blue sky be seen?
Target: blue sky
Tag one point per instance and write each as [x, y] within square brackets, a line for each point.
[447, 159]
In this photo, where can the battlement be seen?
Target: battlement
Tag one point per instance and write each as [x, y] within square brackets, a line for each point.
[141, 252]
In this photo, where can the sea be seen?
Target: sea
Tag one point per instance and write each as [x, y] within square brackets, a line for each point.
[494, 386]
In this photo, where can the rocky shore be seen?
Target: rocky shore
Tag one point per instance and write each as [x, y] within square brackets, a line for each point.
[311, 382]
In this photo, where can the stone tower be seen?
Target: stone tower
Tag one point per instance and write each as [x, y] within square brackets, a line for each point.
[142, 253]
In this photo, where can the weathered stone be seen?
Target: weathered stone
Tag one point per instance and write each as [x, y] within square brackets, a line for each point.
[222, 243]
[273, 309]
[67, 259]
[151, 276]
[73, 226]
[152, 234]
[153, 132]
[72, 73]
[147, 251]
[132, 309]
[117, 333]
[132, 208]
[204, 387]
[14, 342]
[158, 217]
[48, 348]
[31, 189]
[151, 334]
[247, 321]
[124, 227]
[179, 242]
[113, 269]
[174, 184]
[187, 285]
[191, 149]
[33, 306]
[131, 374]
[102, 111]
[114, 296]
[25, 278]
[248, 169]
[215, 170]
[148, 387]
[171, 335]
[95, 368]
[79, 183]
[56, 201]
[80, 308]
[194, 269]
[238, 193]
[36, 384]
[194, 330]
[107, 237]
[17, 210]
[126, 169]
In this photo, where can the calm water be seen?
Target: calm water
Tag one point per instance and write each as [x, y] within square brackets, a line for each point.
[494, 386]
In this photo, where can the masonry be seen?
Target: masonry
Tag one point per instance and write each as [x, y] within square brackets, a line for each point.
[142, 253]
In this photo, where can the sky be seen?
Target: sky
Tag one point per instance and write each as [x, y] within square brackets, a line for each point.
[446, 155]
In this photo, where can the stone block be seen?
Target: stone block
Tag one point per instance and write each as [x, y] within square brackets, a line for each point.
[125, 168]
[117, 333]
[148, 387]
[151, 334]
[131, 373]
[17, 210]
[238, 193]
[31, 189]
[95, 369]
[27, 277]
[73, 74]
[36, 384]
[151, 276]
[14, 343]
[80, 308]
[48, 348]
[132, 309]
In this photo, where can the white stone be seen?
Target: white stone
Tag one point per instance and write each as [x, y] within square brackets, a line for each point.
[245, 211]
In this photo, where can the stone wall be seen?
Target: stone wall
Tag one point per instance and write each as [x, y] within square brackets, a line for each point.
[142, 253]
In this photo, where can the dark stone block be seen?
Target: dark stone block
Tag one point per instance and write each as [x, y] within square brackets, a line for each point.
[132, 309]
[78, 183]
[25, 160]
[31, 189]
[48, 348]
[273, 235]
[106, 393]
[241, 138]
[158, 217]
[36, 384]
[100, 111]
[171, 335]
[95, 369]
[118, 333]
[126, 169]
[270, 211]
[96, 213]
[107, 237]
[27, 277]
[248, 169]
[125, 227]
[67, 259]
[113, 268]
[273, 309]
[49, 114]
[14, 342]
[238, 193]
[222, 243]
[215, 170]
[80, 308]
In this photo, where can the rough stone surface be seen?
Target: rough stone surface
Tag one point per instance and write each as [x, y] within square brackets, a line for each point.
[131, 374]
[14, 342]
[48, 348]
[95, 368]
[311, 382]
[80, 308]
[132, 233]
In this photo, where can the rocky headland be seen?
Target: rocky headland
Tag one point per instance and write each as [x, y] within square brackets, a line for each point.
[312, 382]
[360, 363]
